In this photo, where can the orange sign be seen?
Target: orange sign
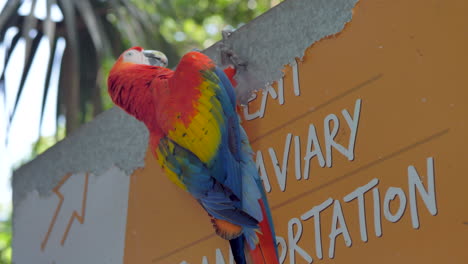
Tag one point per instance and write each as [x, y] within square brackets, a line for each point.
[361, 147]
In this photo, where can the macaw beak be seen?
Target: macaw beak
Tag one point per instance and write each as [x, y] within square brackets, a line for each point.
[155, 58]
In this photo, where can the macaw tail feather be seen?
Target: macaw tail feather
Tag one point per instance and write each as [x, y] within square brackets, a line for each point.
[265, 251]
[237, 248]
[225, 229]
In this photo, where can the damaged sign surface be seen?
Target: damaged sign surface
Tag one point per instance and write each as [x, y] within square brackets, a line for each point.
[359, 142]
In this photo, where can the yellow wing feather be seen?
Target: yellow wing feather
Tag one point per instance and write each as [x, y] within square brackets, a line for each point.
[202, 136]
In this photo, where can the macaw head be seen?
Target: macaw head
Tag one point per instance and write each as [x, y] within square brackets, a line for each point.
[129, 82]
[138, 55]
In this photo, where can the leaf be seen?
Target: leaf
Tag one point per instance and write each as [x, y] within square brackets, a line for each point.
[26, 68]
[29, 24]
[70, 84]
[123, 25]
[9, 10]
[136, 14]
[115, 37]
[9, 51]
[59, 104]
[140, 23]
[88, 71]
[49, 25]
[93, 26]
[70, 67]
[50, 64]
[131, 23]
[71, 28]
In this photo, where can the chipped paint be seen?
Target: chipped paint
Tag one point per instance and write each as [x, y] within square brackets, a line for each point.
[122, 142]
[281, 35]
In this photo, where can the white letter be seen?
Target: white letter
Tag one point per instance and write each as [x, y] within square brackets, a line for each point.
[353, 126]
[338, 217]
[312, 139]
[281, 91]
[330, 136]
[392, 192]
[220, 257]
[297, 156]
[281, 242]
[281, 172]
[297, 90]
[429, 198]
[262, 170]
[315, 212]
[294, 239]
[231, 257]
[359, 193]
[204, 260]
[377, 216]
[261, 112]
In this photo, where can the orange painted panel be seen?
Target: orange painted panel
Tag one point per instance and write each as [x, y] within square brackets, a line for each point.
[390, 92]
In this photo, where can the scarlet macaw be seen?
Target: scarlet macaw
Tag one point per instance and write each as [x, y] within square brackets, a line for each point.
[196, 136]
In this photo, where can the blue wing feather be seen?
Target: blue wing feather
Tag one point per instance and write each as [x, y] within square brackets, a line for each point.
[227, 86]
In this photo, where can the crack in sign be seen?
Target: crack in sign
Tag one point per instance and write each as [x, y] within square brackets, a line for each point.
[80, 217]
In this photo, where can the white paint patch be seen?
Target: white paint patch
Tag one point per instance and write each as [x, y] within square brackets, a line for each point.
[99, 239]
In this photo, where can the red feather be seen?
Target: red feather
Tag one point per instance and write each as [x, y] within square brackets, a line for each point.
[265, 252]
[230, 72]
[130, 87]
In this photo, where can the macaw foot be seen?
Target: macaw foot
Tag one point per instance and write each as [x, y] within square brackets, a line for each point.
[225, 229]
[244, 76]
[228, 56]
[226, 33]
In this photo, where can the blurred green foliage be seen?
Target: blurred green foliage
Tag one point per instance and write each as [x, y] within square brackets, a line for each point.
[44, 143]
[187, 25]
[5, 241]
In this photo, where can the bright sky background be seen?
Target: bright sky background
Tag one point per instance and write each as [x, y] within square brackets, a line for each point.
[24, 130]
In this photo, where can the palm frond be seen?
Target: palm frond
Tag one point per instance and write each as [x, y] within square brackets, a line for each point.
[93, 26]
[91, 37]
[49, 25]
[31, 51]
[9, 50]
[50, 62]
[29, 27]
[7, 16]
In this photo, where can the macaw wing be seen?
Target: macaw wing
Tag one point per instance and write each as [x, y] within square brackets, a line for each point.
[199, 120]
[188, 171]
[199, 115]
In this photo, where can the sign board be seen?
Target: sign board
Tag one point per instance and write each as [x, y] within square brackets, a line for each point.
[361, 146]
[82, 222]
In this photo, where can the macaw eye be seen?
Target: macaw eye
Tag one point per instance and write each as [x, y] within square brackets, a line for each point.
[130, 53]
